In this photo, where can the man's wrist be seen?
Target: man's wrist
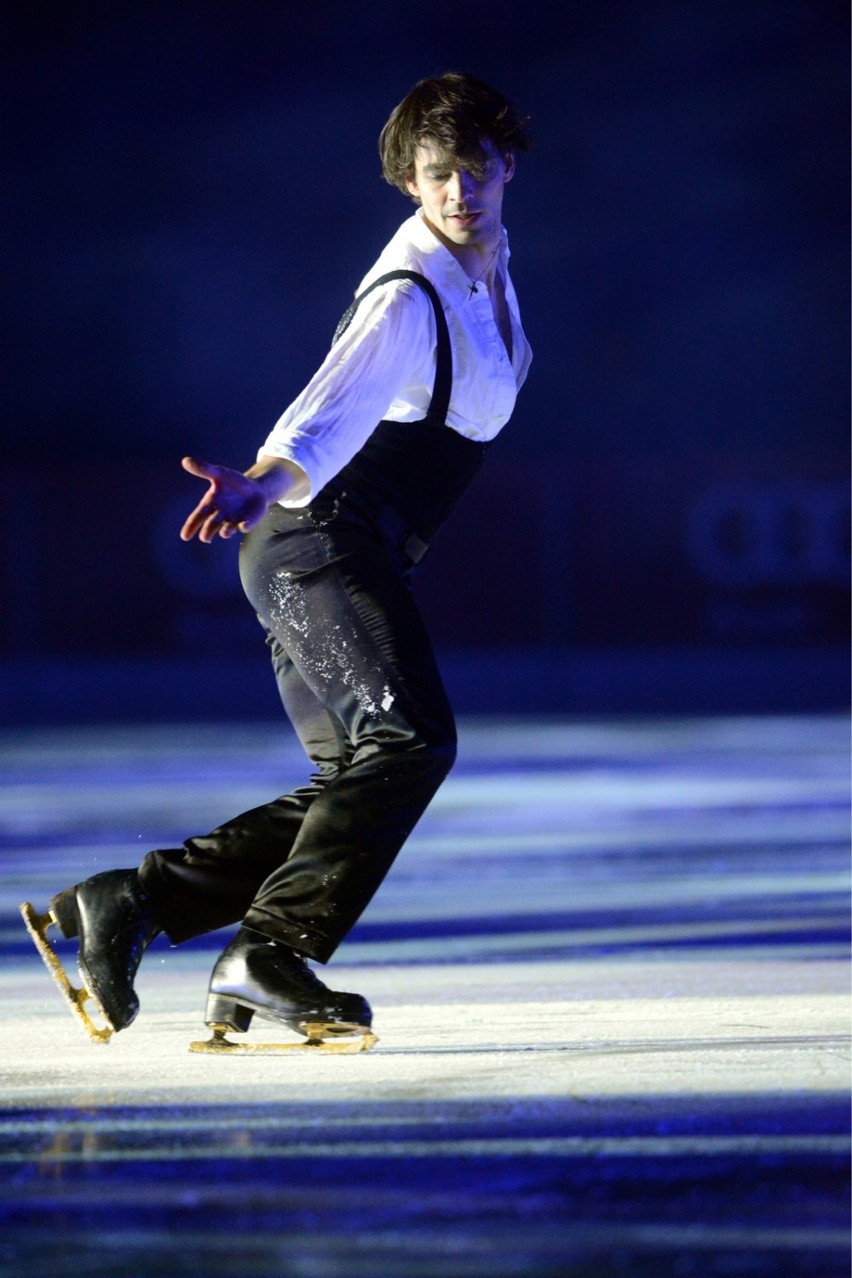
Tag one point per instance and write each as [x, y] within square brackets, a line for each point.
[277, 477]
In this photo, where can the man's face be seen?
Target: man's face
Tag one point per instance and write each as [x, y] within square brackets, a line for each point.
[464, 208]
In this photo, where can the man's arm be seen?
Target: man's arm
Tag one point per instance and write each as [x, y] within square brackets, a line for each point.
[236, 502]
[388, 347]
[383, 349]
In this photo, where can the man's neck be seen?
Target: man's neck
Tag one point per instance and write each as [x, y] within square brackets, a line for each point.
[476, 260]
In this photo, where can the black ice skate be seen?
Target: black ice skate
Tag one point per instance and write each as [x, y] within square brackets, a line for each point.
[258, 975]
[115, 925]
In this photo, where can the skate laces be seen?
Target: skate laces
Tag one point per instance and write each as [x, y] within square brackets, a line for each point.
[296, 966]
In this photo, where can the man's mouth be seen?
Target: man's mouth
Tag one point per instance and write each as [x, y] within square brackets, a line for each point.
[465, 219]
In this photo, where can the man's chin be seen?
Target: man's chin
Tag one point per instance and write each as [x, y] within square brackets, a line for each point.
[463, 234]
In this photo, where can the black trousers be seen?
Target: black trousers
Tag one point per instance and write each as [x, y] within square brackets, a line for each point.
[358, 680]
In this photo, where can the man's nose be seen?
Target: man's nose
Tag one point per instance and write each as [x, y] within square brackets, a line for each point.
[461, 185]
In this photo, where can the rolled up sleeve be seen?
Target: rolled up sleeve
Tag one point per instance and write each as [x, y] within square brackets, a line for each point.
[388, 347]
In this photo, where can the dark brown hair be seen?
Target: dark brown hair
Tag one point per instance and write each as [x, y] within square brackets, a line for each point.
[456, 112]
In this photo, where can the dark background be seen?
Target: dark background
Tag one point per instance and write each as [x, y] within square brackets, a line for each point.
[191, 194]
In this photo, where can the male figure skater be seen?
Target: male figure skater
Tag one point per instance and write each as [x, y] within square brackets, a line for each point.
[347, 491]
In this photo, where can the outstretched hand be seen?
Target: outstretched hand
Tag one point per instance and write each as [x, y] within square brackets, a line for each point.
[233, 502]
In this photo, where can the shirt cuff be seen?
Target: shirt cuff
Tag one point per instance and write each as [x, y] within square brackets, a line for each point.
[305, 488]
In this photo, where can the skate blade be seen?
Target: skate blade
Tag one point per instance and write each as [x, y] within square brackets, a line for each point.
[339, 1038]
[37, 925]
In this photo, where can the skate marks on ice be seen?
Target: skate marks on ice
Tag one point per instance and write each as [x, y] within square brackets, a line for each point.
[632, 839]
[562, 863]
[609, 976]
[593, 1048]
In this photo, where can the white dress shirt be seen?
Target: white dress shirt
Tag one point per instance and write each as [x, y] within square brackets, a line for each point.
[383, 366]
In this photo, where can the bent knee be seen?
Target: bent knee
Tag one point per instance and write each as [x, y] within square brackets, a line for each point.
[443, 754]
[432, 755]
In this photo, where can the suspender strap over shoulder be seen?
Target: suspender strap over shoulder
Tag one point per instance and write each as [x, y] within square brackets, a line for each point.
[439, 407]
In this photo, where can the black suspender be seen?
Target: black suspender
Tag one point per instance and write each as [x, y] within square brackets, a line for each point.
[439, 407]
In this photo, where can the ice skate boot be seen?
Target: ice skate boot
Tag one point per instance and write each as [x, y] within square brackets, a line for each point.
[115, 925]
[258, 975]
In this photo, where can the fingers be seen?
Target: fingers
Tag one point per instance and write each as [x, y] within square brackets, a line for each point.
[228, 492]
[190, 528]
[209, 523]
[205, 519]
[204, 470]
[210, 527]
[206, 524]
[203, 515]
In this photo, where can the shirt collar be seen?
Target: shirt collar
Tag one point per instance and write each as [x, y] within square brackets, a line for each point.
[442, 262]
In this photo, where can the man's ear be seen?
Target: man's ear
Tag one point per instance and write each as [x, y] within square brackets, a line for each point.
[508, 167]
